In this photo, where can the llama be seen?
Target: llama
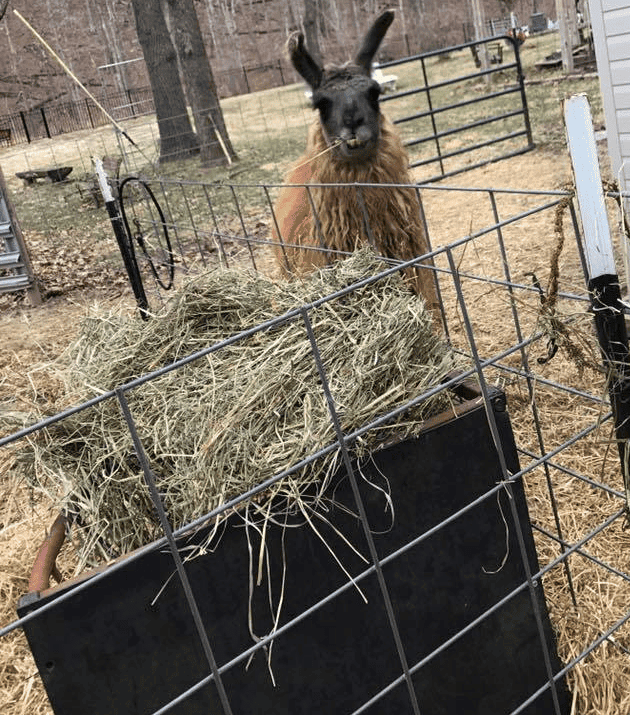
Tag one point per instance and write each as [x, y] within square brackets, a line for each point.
[351, 142]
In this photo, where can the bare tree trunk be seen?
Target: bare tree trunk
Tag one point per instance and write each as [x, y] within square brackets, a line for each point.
[177, 137]
[567, 20]
[108, 24]
[210, 13]
[480, 32]
[199, 83]
[311, 32]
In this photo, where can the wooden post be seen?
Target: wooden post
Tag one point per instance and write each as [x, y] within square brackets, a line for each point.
[480, 33]
[567, 21]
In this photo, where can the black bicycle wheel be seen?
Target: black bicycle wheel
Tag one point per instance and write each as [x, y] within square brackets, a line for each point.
[147, 230]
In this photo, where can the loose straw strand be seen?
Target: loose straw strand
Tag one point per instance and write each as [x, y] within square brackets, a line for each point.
[321, 153]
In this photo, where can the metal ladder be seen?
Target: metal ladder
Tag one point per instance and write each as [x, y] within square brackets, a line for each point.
[15, 269]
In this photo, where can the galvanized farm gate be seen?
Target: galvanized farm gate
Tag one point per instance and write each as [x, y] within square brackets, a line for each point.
[441, 126]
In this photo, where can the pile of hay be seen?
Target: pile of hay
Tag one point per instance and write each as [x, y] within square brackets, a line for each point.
[233, 418]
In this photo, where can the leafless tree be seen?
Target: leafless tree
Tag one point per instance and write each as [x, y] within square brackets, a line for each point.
[199, 84]
[311, 29]
[177, 137]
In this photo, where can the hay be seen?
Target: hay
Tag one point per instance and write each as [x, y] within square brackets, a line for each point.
[21, 689]
[227, 421]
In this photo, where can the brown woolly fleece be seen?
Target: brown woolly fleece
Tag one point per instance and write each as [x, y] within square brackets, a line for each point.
[340, 218]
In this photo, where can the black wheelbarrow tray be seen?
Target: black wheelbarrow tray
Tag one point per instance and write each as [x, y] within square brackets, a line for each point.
[474, 631]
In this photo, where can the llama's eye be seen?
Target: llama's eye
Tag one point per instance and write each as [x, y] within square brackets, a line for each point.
[323, 104]
[374, 93]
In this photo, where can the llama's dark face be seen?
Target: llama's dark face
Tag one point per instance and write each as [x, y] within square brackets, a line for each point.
[347, 101]
[346, 97]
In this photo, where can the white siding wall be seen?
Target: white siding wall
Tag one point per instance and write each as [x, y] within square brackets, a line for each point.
[611, 32]
[610, 20]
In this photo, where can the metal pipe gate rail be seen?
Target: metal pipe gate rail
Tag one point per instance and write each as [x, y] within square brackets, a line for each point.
[511, 114]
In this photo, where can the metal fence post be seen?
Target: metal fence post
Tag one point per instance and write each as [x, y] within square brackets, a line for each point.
[23, 118]
[89, 112]
[43, 113]
[521, 83]
[124, 241]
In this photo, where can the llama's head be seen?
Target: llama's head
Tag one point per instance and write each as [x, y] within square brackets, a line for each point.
[346, 97]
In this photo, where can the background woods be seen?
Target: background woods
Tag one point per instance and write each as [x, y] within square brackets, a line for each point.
[244, 40]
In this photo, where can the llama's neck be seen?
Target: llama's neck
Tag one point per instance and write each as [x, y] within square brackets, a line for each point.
[348, 216]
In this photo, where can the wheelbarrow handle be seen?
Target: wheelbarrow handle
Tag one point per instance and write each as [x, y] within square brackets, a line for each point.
[44, 566]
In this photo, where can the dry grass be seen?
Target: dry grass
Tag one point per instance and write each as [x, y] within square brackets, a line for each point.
[21, 520]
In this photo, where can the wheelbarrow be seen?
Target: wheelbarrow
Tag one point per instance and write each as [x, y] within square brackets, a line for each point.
[471, 628]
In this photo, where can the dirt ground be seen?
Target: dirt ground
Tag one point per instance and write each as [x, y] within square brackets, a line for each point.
[33, 337]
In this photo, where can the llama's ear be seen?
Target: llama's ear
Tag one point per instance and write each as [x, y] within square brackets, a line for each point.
[372, 40]
[302, 61]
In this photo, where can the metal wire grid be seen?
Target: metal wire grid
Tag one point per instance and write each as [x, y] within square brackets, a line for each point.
[463, 332]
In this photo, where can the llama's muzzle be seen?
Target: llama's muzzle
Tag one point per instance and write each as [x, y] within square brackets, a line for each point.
[356, 148]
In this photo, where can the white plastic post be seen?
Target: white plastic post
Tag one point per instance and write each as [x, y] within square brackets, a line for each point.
[101, 175]
[588, 183]
[603, 282]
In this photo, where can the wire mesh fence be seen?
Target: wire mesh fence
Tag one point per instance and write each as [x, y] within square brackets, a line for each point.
[522, 501]
[439, 98]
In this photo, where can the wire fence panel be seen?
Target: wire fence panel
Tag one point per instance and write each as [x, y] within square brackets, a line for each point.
[446, 572]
